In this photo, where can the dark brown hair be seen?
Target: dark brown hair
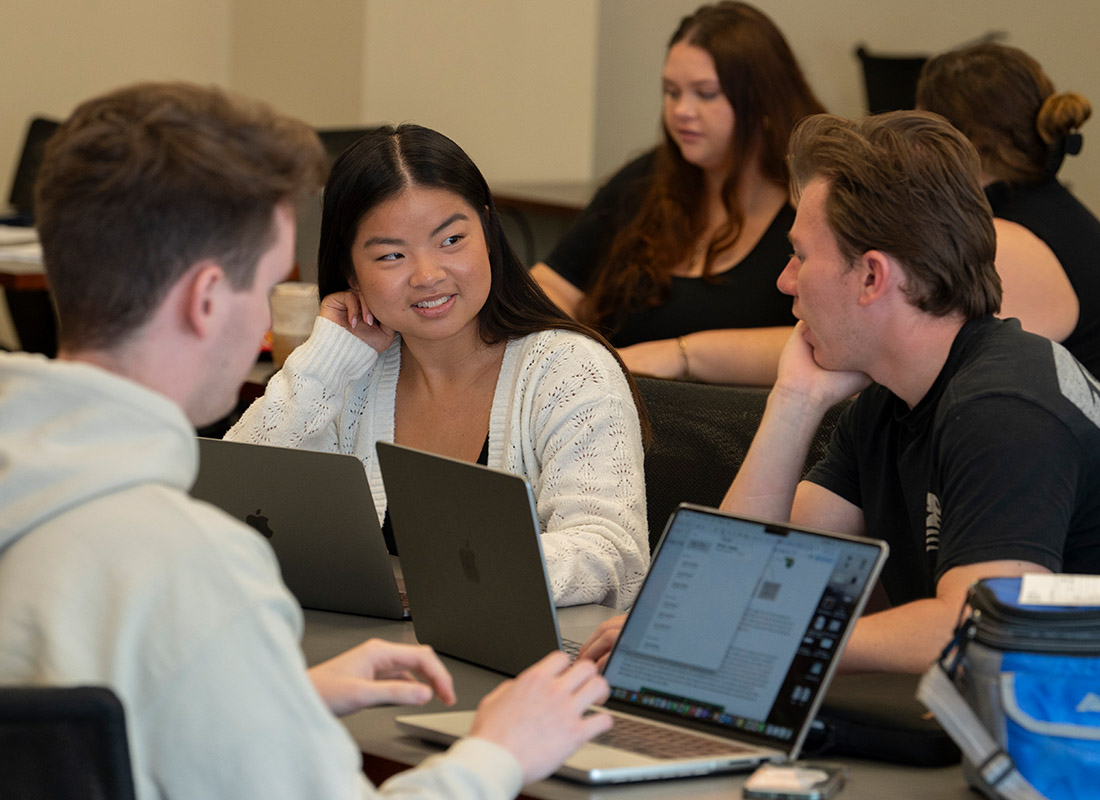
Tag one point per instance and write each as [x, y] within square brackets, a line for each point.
[765, 86]
[140, 184]
[906, 183]
[389, 159]
[1002, 100]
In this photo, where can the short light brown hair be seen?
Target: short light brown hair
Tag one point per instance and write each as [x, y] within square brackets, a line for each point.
[906, 183]
[141, 183]
[1002, 100]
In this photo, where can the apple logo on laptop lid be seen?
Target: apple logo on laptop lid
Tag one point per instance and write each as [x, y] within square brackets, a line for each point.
[259, 522]
[467, 558]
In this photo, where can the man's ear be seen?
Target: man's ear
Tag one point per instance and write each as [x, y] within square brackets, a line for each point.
[202, 296]
[879, 274]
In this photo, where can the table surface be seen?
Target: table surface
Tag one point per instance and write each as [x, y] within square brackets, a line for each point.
[328, 634]
[18, 272]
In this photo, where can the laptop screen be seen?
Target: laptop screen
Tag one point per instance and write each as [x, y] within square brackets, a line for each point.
[738, 624]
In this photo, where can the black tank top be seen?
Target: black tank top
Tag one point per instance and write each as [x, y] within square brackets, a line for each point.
[1072, 232]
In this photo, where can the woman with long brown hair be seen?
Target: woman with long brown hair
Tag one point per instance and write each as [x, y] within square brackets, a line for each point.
[676, 258]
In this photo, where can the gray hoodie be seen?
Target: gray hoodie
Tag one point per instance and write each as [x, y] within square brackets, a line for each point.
[110, 573]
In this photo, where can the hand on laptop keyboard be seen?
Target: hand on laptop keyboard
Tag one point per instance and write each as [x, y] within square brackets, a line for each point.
[601, 641]
[571, 648]
[378, 672]
[539, 716]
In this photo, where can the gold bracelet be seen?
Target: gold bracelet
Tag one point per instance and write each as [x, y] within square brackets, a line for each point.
[686, 375]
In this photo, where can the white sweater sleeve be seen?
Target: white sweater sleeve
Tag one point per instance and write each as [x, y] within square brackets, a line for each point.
[305, 400]
[590, 485]
[472, 768]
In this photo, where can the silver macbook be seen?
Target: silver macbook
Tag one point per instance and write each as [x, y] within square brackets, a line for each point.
[472, 559]
[726, 654]
[317, 512]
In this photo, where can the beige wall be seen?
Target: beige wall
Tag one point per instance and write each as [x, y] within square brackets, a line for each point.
[55, 53]
[512, 81]
[304, 58]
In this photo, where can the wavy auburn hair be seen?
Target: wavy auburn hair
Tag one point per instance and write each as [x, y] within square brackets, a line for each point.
[765, 86]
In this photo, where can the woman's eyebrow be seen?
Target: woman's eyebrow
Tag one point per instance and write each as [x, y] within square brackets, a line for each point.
[450, 220]
[390, 240]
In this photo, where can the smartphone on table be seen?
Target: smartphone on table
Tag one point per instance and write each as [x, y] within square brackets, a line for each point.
[796, 780]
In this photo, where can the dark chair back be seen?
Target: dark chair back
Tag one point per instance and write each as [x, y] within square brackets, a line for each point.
[701, 434]
[337, 140]
[890, 80]
[63, 743]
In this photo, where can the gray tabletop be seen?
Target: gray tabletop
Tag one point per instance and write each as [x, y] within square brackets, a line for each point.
[328, 634]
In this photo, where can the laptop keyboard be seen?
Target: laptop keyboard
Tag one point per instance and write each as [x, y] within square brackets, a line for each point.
[638, 736]
[571, 648]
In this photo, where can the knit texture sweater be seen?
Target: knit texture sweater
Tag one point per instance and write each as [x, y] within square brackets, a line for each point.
[563, 417]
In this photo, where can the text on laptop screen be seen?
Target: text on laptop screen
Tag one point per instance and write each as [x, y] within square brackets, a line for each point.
[738, 622]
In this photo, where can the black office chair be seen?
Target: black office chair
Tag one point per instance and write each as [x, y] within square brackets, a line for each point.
[337, 140]
[63, 743]
[31, 310]
[890, 80]
[21, 197]
[701, 434]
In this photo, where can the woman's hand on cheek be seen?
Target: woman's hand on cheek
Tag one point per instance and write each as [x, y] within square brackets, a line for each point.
[349, 310]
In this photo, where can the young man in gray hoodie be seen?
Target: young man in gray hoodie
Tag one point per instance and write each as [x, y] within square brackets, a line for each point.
[166, 216]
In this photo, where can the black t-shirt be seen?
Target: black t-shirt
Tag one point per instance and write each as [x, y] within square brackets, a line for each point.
[1072, 232]
[999, 460]
[744, 296]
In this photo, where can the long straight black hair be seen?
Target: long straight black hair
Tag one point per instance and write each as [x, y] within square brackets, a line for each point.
[387, 160]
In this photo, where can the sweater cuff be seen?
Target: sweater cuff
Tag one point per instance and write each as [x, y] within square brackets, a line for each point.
[494, 766]
[332, 354]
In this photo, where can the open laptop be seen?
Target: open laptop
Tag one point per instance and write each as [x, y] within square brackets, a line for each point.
[472, 559]
[730, 646]
[317, 512]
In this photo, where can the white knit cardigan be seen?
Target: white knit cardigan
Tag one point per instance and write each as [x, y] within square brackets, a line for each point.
[563, 417]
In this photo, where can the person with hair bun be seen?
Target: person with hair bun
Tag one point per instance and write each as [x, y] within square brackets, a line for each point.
[676, 257]
[1047, 241]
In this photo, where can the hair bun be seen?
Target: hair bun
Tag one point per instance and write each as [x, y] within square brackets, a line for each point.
[1061, 114]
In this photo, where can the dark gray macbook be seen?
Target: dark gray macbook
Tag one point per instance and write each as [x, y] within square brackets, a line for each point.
[472, 559]
[317, 512]
[726, 654]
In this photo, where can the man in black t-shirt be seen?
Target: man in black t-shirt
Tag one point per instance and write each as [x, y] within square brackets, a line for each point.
[973, 447]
